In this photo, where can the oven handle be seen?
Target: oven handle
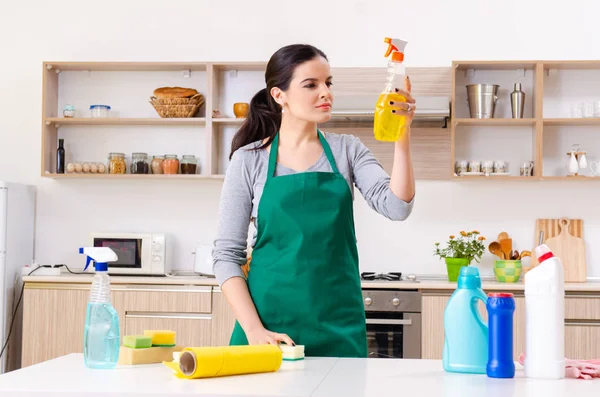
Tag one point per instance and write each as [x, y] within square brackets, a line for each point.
[385, 321]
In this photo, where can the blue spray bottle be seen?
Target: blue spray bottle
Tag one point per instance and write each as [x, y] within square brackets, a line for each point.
[102, 337]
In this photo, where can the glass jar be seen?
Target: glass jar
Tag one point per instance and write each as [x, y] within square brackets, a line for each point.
[116, 163]
[188, 164]
[157, 164]
[99, 111]
[139, 163]
[170, 164]
[69, 111]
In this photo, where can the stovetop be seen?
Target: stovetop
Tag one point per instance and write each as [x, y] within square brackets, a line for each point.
[391, 276]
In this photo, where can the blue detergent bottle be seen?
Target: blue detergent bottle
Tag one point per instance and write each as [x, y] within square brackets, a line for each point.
[102, 337]
[465, 333]
[501, 309]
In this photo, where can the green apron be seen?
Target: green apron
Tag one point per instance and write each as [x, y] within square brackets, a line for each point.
[304, 277]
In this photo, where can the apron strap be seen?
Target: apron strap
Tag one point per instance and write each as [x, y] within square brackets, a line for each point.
[275, 147]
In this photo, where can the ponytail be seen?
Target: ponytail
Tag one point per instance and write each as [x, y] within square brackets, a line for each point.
[264, 115]
[263, 121]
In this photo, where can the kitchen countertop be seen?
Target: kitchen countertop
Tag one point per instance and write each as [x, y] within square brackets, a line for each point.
[315, 377]
[424, 284]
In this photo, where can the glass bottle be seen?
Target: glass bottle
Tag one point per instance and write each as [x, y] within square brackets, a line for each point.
[188, 164]
[139, 163]
[69, 111]
[170, 164]
[116, 163]
[60, 157]
[157, 164]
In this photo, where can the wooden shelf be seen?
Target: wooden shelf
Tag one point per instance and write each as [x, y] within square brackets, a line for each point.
[130, 176]
[592, 121]
[493, 65]
[229, 120]
[192, 121]
[495, 122]
[571, 178]
[499, 177]
[127, 66]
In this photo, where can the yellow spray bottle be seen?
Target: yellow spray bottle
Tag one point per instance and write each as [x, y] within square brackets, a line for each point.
[388, 127]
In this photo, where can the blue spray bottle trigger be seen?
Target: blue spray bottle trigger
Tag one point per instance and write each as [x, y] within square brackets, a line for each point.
[99, 266]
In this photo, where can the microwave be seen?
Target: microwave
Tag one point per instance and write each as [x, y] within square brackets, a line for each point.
[139, 254]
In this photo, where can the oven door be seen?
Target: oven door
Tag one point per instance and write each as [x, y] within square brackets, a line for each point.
[394, 335]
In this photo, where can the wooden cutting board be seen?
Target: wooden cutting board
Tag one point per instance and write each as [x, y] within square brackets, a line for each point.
[567, 243]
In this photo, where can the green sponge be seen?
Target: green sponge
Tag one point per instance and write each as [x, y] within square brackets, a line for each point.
[137, 341]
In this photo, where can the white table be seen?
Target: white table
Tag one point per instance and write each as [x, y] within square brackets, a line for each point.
[317, 377]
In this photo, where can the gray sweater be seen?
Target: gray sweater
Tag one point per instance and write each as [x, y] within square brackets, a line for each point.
[245, 180]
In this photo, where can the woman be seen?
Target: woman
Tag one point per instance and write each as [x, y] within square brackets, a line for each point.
[295, 183]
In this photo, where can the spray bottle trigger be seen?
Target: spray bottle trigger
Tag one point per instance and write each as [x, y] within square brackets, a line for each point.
[87, 263]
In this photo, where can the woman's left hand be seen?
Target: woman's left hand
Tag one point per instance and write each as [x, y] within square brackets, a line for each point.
[405, 108]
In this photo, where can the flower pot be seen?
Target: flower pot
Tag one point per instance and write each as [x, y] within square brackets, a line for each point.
[453, 266]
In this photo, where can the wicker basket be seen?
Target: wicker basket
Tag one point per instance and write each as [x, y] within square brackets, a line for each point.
[177, 107]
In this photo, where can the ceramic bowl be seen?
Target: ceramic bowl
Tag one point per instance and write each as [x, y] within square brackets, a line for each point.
[507, 271]
[240, 109]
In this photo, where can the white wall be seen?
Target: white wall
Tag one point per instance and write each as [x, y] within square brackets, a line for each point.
[351, 33]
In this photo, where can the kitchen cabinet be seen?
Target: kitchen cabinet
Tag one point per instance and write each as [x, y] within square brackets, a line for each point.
[54, 316]
[53, 321]
[582, 325]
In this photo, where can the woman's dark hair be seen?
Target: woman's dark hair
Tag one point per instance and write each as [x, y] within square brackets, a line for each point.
[264, 115]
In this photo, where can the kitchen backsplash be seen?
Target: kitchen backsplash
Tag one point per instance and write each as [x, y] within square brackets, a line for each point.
[188, 212]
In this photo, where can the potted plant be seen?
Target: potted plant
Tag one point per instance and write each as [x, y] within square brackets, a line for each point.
[461, 251]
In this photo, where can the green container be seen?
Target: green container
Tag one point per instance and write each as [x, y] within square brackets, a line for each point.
[453, 266]
[508, 271]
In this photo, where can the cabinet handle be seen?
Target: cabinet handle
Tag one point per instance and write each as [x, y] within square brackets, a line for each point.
[179, 316]
[160, 288]
[582, 323]
[384, 321]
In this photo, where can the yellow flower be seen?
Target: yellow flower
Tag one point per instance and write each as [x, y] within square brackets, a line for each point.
[452, 236]
[475, 232]
[463, 233]
[480, 238]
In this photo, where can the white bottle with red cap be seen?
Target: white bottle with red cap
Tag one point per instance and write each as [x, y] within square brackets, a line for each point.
[545, 317]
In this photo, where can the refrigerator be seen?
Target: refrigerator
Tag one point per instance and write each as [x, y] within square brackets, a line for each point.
[17, 229]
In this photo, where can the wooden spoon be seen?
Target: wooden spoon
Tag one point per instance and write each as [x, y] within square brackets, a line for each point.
[506, 247]
[496, 250]
[502, 236]
[524, 254]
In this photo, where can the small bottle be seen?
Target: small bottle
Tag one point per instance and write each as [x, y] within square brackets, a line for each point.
[188, 164]
[69, 111]
[389, 127]
[545, 317]
[60, 157]
[500, 307]
[102, 336]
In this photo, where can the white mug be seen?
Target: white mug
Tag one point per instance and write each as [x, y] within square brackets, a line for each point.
[595, 168]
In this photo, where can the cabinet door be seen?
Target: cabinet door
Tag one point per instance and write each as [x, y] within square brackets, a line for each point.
[581, 340]
[223, 320]
[432, 326]
[192, 330]
[54, 319]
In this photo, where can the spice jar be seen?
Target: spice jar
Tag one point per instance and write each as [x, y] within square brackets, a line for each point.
[170, 164]
[69, 111]
[157, 164]
[139, 163]
[116, 163]
[188, 164]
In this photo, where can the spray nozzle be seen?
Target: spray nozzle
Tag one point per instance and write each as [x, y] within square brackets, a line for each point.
[396, 48]
[100, 256]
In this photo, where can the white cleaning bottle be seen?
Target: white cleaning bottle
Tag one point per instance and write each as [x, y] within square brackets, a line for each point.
[545, 317]
[102, 337]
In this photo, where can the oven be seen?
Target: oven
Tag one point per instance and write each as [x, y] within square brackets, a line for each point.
[393, 323]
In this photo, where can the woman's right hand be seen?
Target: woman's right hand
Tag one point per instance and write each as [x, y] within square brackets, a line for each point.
[262, 336]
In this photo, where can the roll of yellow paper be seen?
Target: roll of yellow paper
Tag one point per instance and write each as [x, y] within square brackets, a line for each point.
[208, 362]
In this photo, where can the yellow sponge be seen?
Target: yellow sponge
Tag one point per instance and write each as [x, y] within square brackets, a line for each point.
[292, 353]
[161, 337]
[150, 355]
